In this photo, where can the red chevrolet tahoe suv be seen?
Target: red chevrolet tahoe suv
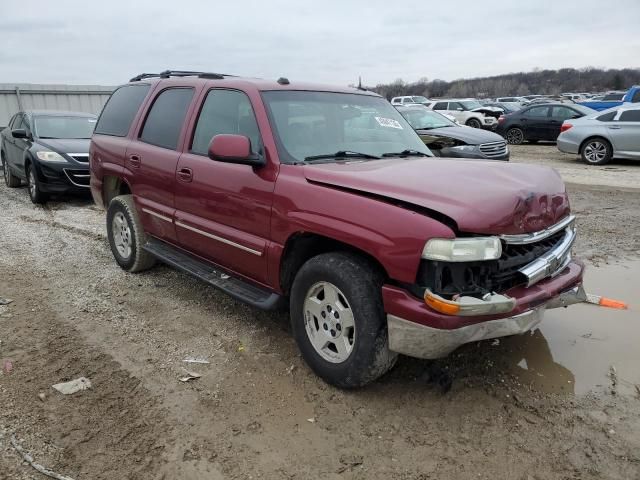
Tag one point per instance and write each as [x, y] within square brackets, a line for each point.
[325, 199]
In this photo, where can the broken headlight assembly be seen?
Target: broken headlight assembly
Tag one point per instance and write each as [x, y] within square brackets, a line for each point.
[462, 249]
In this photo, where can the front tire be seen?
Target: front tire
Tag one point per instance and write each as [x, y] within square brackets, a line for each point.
[596, 151]
[474, 123]
[9, 178]
[126, 235]
[36, 194]
[338, 319]
[515, 136]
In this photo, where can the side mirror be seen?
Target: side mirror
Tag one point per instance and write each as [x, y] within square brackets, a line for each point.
[19, 133]
[234, 149]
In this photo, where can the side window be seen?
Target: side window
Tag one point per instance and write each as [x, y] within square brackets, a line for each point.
[395, 100]
[225, 111]
[636, 97]
[537, 112]
[407, 100]
[166, 117]
[607, 117]
[24, 124]
[563, 113]
[455, 106]
[630, 116]
[440, 106]
[120, 110]
[15, 121]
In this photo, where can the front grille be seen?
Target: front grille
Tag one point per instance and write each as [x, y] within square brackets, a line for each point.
[478, 278]
[80, 157]
[494, 149]
[79, 178]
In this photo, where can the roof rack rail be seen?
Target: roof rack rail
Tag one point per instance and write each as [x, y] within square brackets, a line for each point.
[180, 73]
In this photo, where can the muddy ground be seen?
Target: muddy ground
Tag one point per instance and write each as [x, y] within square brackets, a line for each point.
[529, 407]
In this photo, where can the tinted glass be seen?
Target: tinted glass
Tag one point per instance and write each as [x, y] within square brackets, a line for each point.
[563, 113]
[121, 108]
[636, 97]
[630, 116]
[607, 117]
[166, 117]
[440, 106]
[15, 121]
[308, 123]
[63, 127]
[226, 111]
[454, 105]
[537, 112]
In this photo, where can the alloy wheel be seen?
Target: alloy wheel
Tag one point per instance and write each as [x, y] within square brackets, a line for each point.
[595, 152]
[33, 188]
[122, 235]
[329, 322]
[515, 136]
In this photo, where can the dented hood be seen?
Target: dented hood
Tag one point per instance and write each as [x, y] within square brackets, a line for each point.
[479, 196]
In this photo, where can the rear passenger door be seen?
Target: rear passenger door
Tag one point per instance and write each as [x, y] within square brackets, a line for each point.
[558, 115]
[625, 134]
[153, 157]
[535, 123]
[223, 210]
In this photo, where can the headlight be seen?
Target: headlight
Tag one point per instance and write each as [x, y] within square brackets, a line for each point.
[50, 157]
[462, 249]
[464, 148]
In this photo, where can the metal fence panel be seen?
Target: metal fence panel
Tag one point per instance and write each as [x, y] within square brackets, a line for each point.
[25, 96]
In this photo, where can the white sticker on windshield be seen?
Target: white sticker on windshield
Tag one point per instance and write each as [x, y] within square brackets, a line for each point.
[388, 122]
[91, 120]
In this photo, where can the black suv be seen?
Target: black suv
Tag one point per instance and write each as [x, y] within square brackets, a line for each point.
[49, 150]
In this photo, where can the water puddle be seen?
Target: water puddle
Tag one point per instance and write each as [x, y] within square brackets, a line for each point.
[574, 349]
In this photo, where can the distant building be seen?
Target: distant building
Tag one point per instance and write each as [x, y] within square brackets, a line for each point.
[26, 96]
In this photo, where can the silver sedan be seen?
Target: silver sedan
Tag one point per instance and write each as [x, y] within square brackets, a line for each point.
[613, 133]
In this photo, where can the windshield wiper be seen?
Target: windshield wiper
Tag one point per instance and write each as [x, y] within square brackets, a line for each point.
[406, 153]
[342, 154]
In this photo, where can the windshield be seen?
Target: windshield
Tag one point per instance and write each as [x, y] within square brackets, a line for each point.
[64, 127]
[420, 99]
[470, 104]
[423, 119]
[309, 124]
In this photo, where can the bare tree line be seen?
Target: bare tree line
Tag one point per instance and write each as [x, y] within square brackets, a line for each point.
[545, 82]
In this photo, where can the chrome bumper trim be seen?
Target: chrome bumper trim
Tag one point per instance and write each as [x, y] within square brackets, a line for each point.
[552, 262]
[526, 238]
[420, 341]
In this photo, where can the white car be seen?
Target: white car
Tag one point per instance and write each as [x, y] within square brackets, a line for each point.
[597, 138]
[410, 100]
[469, 112]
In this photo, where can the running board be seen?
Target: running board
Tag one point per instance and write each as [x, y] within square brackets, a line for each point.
[239, 289]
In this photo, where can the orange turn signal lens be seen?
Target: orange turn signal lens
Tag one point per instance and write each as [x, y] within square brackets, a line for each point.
[440, 306]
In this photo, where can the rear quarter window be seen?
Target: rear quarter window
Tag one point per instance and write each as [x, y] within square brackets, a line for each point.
[166, 117]
[607, 117]
[121, 109]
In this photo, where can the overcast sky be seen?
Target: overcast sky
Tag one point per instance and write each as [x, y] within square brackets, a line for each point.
[331, 41]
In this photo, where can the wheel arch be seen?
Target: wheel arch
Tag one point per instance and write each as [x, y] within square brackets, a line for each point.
[302, 246]
[113, 186]
[593, 137]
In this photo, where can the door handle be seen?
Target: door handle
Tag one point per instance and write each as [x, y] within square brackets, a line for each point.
[185, 174]
[135, 160]
[614, 127]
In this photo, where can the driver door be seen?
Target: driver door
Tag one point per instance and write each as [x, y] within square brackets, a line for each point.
[223, 210]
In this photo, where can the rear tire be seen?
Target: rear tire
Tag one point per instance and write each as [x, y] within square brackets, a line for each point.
[36, 194]
[9, 178]
[596, 151]
[338, 319]
[473, 123]
[126, 235]
[515, 136]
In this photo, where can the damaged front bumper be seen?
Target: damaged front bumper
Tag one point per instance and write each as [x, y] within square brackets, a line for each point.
[416, 330]
[421, 341]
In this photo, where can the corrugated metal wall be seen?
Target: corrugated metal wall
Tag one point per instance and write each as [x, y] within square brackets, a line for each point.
[25, 96]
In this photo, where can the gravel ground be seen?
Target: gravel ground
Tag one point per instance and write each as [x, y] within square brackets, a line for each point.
[257, 411]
